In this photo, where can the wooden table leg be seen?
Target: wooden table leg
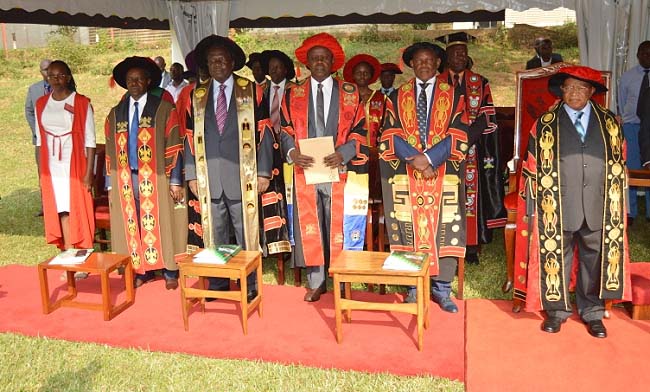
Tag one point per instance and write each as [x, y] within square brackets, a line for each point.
[337, 308]
[72, 283]
[203, 285]
[259, 289]
[461, 277]
[106, 295]
[427, 290]
[420, 313]
[297, 277]
[280, 269]
[45, 291]
[243, 298]
[128, 280]
[348, 295]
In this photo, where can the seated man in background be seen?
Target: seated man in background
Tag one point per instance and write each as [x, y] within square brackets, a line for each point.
[544, 55]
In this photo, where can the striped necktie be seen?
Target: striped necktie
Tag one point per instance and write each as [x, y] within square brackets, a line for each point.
[222, 109]
[578, 124]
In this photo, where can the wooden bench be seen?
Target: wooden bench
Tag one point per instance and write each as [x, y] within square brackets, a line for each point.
[97, 263]
[366, 267]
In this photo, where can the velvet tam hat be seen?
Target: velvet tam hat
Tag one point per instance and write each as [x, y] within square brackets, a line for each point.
[201, 50]
[267, 55]
[326, 41]
[253, 58]
[407, 56]
[585, 74]
[348, 70]
[145, 63]
[391, 67]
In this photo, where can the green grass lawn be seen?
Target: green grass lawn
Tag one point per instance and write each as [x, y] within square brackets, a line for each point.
[31, 364]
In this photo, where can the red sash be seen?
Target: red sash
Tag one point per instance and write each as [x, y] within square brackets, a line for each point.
[306, 194]
[425, 194]
[473, 102]
[81, 215]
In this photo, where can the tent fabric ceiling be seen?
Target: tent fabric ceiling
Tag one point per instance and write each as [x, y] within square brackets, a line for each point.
[154, 14]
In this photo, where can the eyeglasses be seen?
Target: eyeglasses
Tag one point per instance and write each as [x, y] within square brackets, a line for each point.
[575, 89]
[57, 76]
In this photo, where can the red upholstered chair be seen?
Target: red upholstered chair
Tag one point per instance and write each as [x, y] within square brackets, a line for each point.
[532, 99]
[640, 277]
[100, 199]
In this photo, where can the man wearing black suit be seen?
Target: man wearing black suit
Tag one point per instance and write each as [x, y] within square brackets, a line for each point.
[544, 54]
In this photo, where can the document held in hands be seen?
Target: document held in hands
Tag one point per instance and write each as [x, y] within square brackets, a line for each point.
[318, 148]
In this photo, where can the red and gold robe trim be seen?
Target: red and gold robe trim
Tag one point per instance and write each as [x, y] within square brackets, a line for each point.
[539, 260]
[374, 116]
[349, 117]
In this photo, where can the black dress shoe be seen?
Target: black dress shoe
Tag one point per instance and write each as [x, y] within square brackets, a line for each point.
[313, 295]
[597, 329]
[445, 304]
[251, 295]
[552, 324]
[171, 283]
[472, 258]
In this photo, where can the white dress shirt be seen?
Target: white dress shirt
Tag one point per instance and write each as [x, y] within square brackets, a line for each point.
[327, 94]
[216, 86]
[429, 90]
[573, 114]
[141, 103]
[282, 84]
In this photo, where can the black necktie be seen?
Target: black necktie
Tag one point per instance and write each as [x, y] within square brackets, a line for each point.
[643, 91]
[320, 111]
[422, 112]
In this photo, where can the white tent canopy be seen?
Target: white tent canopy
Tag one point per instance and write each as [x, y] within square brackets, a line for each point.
[609, 31]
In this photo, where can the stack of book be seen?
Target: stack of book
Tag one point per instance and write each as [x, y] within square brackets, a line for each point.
[405, 261]
[219, 255]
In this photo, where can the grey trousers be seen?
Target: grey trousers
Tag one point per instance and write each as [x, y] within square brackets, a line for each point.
[590, 306]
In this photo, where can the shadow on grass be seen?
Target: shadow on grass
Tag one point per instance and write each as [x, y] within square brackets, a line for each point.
[74, 380]
[18, 209]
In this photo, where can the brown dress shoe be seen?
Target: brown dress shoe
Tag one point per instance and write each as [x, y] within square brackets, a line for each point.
[313, 295]
[171, 283]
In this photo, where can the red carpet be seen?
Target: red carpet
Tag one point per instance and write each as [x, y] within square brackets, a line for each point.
[509, 352]
[291, 330]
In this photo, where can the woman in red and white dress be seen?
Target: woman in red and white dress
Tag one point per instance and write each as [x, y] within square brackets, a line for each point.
[66, 135]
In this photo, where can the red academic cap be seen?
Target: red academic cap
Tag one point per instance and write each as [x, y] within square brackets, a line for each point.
[579, 72]
[391, 67]
[326, 41]
[358, 59]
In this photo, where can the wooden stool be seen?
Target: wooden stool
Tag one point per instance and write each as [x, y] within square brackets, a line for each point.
[97, 263]
[366, 267]
[238, 267]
